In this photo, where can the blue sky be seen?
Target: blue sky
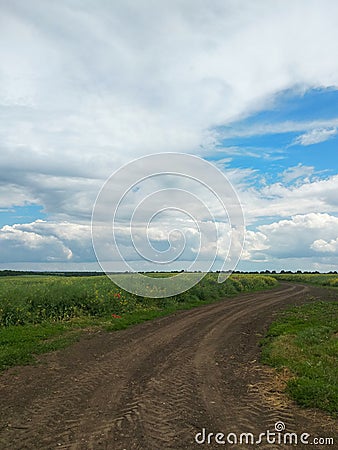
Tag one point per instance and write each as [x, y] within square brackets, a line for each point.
[21, 214]
[126, 80]
[276, 150]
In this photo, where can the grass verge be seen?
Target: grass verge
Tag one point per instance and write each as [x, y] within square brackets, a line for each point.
[305, 340]
[20, 344]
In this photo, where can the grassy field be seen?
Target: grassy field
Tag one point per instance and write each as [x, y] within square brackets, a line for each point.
[41, 313]
[304, 339]
[329, 280]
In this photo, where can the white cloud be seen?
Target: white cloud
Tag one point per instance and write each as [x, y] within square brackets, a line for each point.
[306, 201]
[255, 244]
[296, 172]
[316, 136]
[302, 236]
[322, 246]
[42, 241]
[304, 196]
[13, 194]
[18, 245]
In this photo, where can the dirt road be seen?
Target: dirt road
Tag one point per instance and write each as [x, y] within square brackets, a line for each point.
[154, 386]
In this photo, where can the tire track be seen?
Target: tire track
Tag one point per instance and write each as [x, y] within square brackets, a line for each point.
[50, 411]
[246, 412]
[131, 413]
[158, 428]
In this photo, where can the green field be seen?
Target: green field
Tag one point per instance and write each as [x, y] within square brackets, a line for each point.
[40, 313]
[329, 280]
[35, 299]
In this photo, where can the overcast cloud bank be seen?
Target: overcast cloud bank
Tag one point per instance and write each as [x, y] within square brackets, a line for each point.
[88, 86]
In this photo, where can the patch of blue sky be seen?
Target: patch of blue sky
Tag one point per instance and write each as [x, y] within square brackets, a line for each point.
[292, 105]
[314, 104]
[270, 143]
[322, 156]
[268, 153]
[21, 214]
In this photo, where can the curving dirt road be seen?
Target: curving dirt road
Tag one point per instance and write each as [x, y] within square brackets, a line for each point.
[154, 386]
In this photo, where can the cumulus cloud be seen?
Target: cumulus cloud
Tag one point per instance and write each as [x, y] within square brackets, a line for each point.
[307, 234]
[316, 136]
[27, 246]
[322, 246]
[285, 200]
[302, 236]
[43, 241]
[255, 244]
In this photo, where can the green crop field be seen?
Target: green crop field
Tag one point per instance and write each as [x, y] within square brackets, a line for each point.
[35, 299]
[326, 279]
[39, 313]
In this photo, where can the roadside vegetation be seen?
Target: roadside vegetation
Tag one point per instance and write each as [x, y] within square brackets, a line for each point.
[42, 313]
[321, 279]
[305, 340]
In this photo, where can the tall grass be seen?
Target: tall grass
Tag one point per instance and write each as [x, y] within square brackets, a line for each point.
[330, 280]
[35, 299]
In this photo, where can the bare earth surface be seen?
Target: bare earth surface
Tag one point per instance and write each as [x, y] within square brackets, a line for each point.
[155, 385]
